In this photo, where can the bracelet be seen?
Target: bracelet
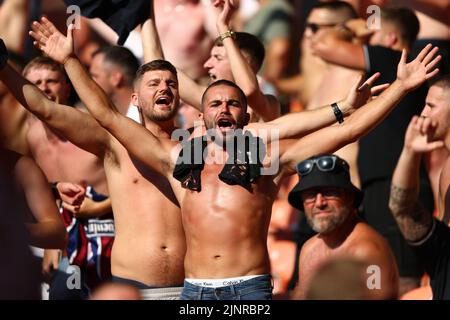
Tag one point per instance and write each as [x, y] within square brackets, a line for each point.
[337, 112]
[227, 34]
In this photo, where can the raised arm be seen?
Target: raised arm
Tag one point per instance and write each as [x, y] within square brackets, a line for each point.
[138, 140]
[13, 24]
[328, 45]
[298, 124]
[327, 140]
[190, 91]
[49, 231]
[413, 220]
[266, 106]
[73, 124]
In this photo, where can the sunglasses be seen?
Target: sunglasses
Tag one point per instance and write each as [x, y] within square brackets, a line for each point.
[323, 163]
[314, 27]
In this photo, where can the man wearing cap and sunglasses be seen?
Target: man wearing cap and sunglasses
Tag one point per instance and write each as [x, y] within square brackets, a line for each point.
[330, 202]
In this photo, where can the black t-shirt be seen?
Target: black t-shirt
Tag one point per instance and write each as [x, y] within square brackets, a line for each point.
[434, 252]
[380, 149]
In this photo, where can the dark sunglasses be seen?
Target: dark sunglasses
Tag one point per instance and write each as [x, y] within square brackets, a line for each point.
[323, 163]
[314, 27]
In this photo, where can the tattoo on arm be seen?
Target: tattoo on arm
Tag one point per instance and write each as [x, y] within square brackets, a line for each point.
[412, 218]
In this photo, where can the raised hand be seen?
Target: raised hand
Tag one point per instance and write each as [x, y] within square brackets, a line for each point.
[229, 7]
[418, 135]
[52, 42]
[422, 68]
[361, 92]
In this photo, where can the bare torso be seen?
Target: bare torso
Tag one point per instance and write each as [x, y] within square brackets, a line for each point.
[226, 226]
[149, 245]
[334, 86]
[315, 252]
[313, 69]
[61, 160]
[183, 36]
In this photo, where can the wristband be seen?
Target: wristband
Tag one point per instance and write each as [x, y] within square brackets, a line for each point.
[337, 112]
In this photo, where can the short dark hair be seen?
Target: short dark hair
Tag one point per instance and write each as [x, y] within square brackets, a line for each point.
[152, 66]
[338, 6]
[249, 44]
[44, 62]
[404, 20]
[228, 83]
[442, 82]
[122, 58]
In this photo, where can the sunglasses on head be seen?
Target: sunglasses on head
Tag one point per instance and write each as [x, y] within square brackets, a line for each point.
[314, 27]
[323, 163]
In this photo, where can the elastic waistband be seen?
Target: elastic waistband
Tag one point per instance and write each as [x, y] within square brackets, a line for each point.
[140, 285]
[216, 283]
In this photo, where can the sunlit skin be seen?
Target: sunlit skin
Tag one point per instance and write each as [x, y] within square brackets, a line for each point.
[330, 211]
[183, 30]
[224, 111]
[58, 158]
[226, 235]
[324, 208]
[157, 95]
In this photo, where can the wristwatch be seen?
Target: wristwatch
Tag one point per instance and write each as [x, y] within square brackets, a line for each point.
[227, 34]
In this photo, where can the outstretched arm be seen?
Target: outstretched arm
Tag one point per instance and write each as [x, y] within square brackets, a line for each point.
[140, 141]
[190, 91]
[413, 220]
[298, 124]
[49, 231]
[73, 124]
[267, 107]
[330, 139]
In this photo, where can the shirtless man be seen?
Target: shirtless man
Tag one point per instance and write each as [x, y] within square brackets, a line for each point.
[187, 33]
[335, 80]
[162, 247]
[428, 236]
[237, 61]
[149, 246]
[225, 225]
[61, 160]
[330, 201]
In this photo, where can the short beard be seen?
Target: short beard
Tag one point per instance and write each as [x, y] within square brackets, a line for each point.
[161, 117]
[329, 224]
